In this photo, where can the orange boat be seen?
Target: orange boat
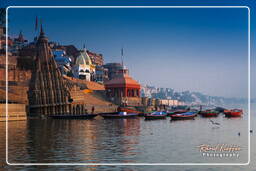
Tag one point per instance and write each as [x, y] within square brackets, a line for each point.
[209, 113]
[233, 113]
[128, 110]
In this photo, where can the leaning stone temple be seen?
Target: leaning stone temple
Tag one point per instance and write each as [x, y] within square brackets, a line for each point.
[49, 93]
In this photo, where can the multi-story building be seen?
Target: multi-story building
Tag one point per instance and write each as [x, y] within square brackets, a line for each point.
[113, 69]
[63, 61]
[70, 50]
[101, 74]
[18, 43]
[97, 59]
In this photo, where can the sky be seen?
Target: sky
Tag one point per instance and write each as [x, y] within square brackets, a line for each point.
[195, 49]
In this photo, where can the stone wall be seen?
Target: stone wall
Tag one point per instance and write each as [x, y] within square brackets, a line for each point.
[15, 75]
[15, 112]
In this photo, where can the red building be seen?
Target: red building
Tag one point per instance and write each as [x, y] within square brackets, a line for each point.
[123, 90]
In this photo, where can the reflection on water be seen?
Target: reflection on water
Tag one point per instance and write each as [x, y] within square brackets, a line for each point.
[127, 140]
[73, 140]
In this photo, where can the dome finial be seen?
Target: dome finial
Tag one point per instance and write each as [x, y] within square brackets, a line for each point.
[84, 48]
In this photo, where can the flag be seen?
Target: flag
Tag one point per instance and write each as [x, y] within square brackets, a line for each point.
[36, 24]
[122, 55]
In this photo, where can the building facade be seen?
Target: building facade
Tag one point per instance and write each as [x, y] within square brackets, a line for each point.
[97, 59]
[83, 68]
[123, 90]
[18, 43]
[113, 69]
[101, 75]
[63, 61]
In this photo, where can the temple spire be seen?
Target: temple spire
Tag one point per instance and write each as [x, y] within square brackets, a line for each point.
[84, 48]
[20, 33]
[21, 38]
[41, 30]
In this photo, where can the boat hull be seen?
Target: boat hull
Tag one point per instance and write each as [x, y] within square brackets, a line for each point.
[183, 117]
[128, 110]
[209, 114]
[118, 116]
[233, 113]
[153, 117]
[85, 116]
[170, 113]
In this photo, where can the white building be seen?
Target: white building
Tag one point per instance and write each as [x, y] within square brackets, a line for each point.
[62, 61]
[83, 68]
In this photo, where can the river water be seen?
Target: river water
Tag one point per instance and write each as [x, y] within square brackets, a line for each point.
[126, 141]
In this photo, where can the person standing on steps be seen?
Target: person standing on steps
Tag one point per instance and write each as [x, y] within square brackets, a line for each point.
[93, 109]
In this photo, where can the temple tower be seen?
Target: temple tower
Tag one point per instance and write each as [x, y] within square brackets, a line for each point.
[48, 92]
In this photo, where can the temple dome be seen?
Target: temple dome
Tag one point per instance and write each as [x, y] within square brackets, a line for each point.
[83, 59]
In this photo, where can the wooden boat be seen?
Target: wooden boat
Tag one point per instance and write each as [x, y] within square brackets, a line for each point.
[144, 113]
[184, 116]
[209, 113]
[233, 113]
[128, 110]
[174, 112]
[155, 115]
[118, 115]
[180, 111]
[141, 114]
[169, 113]
[219, 109]
[82, 116]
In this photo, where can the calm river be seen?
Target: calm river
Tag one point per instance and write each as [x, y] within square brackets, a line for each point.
[126, 141]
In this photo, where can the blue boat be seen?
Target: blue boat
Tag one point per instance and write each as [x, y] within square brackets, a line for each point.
[184, 116]
[118, 115]
[156, 115]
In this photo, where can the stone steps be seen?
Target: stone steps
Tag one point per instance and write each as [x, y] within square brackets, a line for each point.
[99, 104]
[94, 86]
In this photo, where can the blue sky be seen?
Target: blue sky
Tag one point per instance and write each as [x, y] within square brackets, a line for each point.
[186, 49]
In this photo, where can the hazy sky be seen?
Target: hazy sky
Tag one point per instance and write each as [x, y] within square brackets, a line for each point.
[201, 50]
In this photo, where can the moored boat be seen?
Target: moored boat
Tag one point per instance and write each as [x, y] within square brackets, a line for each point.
[233, 113]
[209, 113]
[118, 115]
[82, 116]
[179, 111]
[184, 116]
[169, 113]
[155, 115]
[128, 110]
[142, 114]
